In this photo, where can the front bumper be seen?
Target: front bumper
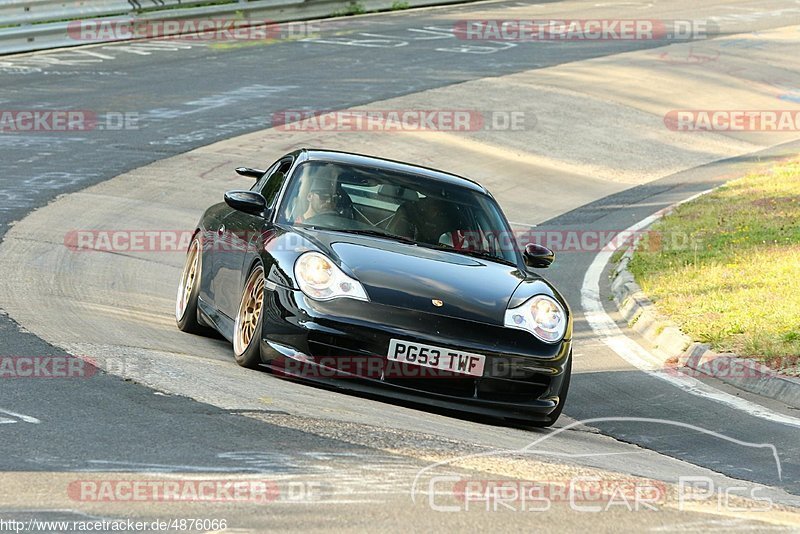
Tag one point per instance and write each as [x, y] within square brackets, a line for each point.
[343, 343]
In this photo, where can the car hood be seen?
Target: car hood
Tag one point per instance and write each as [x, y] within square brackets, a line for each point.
[413, 277]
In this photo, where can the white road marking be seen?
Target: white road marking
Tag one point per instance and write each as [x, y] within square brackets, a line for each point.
[93, 53]
[629, 350]
[17, 417]
[427, 33]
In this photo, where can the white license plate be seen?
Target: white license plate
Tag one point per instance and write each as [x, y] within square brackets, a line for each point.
[436, 357]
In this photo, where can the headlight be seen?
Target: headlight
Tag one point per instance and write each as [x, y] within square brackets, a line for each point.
[320, 279]
[540, 315]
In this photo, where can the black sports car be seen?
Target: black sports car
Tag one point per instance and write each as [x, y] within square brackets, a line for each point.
[382, 277]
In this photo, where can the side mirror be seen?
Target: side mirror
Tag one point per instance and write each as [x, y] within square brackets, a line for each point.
[250, 173]
[538, 256]
[246, 201]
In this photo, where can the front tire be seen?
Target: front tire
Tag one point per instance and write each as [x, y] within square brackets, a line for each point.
[248, 326]
[188, 291]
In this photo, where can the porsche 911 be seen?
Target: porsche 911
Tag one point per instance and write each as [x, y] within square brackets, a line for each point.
[385, 278]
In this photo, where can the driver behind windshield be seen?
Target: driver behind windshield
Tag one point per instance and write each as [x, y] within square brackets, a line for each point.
[317, 193]
[320, 199]
[428, 212]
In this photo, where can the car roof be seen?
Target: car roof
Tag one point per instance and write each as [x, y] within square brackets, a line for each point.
[335, 156]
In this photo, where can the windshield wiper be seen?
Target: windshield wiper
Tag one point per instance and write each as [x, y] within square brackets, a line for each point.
[440, 246]
[475, 253]
[374, 233]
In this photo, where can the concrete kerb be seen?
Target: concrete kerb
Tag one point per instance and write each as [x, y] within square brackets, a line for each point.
[688, 356]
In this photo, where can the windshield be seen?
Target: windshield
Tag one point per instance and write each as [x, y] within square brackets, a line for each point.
[402, 206]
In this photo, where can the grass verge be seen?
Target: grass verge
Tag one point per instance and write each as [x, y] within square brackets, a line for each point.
[728, 268]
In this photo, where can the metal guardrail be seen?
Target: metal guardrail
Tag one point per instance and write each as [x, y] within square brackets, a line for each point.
[13, 12]
[18, 12]
[25, 25]
[29, 25]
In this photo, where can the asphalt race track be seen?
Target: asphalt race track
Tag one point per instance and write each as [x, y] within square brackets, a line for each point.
[177, 406]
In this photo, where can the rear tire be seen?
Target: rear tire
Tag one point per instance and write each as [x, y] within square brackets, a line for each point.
[249, 321]
[188, 291]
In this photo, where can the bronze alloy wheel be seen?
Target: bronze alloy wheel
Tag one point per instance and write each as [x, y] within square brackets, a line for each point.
[188, 279]
[247, 320]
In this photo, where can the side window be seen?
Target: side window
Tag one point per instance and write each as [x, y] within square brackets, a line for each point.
[271, 182]
[259, 185]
